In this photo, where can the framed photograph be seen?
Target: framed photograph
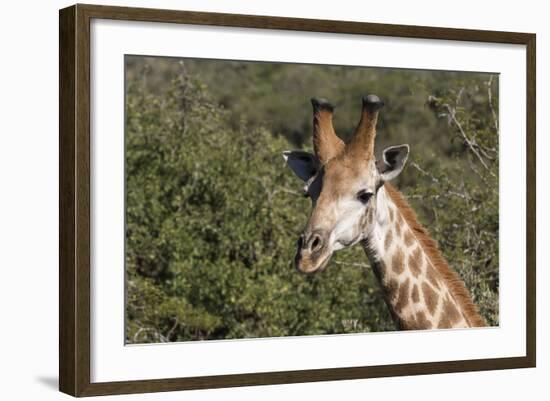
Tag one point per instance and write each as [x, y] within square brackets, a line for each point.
[250, 200]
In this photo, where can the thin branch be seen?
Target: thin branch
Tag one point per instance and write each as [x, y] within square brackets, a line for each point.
[171, 331]
[490, 94]
[468, 141]
[459, 95]
[365, 266]
[424, 172]
[290, 191]
[155, 332]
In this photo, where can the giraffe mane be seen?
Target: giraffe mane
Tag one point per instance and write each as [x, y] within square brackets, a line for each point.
[454, 283]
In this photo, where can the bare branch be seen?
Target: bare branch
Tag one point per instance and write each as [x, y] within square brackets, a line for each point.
[363, 265]
[473, 147]
[155, 332]
[424, 172]
[490, 94]
[290, 191]
[171, 331]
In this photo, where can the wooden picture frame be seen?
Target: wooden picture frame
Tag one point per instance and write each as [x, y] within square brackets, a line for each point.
[74, 199]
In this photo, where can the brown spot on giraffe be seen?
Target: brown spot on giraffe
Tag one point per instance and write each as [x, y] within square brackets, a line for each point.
[391, 289]
[388, 240]
[415, 296]
[422, 322]
[397, 263]
[432, 276]
[415, 261]
[402, 296]
[391, 214]
[430, 297]
[397, 226]
[444, 323]
[408, 238]
[450, 311]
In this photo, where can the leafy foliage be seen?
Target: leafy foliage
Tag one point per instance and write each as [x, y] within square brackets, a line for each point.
[213, 214]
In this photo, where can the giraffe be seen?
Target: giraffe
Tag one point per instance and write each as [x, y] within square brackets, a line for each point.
[353, 202]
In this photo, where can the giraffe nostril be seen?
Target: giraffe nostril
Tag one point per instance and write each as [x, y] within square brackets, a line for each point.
[315, 243]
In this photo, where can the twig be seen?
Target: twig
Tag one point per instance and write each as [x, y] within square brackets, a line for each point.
[351, 264]
[490, 94]
[155, 332]
[416, 166]
[171, 331]
[459, 95]
[290, 191]
[468, 141]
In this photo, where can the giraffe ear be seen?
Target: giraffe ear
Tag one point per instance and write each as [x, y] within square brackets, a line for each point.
[395, 158]
[304, 164]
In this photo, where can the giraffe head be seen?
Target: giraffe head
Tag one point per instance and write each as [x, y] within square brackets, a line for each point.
[342, 182]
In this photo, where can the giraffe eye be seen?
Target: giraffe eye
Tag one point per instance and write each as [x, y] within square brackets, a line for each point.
[363, 196]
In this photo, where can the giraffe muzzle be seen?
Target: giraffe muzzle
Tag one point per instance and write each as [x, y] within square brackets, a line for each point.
[312, 254]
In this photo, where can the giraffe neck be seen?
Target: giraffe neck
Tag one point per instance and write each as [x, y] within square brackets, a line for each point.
[417, 293]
